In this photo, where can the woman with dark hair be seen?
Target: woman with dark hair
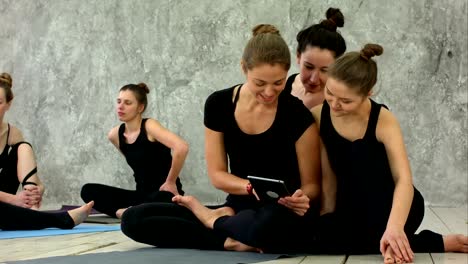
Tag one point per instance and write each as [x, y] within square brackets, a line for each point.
[317, 48]
[18, 167]
[155, 154]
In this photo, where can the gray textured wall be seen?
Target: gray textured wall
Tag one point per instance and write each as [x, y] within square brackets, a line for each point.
[69, 58]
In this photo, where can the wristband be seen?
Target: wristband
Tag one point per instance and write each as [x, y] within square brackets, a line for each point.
[249, 188]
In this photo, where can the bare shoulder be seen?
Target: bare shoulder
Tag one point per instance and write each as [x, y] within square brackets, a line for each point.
[113, 135]
[150, 122]
[317, 112]
[387, 125]
[154, 129]
[15, 135]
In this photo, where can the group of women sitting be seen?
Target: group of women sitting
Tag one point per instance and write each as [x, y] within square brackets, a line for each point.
[340, 153]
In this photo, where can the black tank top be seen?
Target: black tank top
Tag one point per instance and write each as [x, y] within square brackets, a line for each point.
[289, 83]
[150, 161]
[361, 166]
[270, 154]
[8, 181]
[4, 155]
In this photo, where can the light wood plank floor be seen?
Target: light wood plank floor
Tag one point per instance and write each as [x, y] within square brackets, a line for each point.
[441, 220]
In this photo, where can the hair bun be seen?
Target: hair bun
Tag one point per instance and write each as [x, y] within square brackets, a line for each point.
[5, 78]
[265, 28]
[144, 87]
[371, 50]
[334, 19]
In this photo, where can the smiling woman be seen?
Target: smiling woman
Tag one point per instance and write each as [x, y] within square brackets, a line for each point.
[317, 48]
[155, 154]
[250, 129]
[369, 201]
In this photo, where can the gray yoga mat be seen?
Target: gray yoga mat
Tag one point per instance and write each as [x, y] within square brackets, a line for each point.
[158, 255]
[101, 219]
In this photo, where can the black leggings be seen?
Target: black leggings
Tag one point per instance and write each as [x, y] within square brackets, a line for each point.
[360, 233]
[335, 233]
[276, 229]
[158, 223]
[268, 226]
[108, 199]
[168, 225]
[19, 218]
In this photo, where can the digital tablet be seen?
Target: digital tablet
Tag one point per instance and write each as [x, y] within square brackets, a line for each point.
[268, 189]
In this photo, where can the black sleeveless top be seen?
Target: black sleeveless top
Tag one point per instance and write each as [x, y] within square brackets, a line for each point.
[289, 83]
[150, 161]
[361, 166]
[270, 154]
[8, 181]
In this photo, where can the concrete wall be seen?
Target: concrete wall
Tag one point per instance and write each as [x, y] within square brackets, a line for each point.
[68, 59]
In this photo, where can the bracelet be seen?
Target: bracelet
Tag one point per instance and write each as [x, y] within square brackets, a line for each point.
[249, 188]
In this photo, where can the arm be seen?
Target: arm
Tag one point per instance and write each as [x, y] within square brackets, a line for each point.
[308, 157]
[328, 196]
[24, 198]
[18, 200]
[389, 133]
[113, 137]
[179, 150]
[29, 196]
[216, 160]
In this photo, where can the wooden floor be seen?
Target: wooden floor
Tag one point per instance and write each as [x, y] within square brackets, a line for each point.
[441, 220]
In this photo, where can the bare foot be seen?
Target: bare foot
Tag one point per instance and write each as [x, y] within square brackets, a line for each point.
[390, 257]
[120, 212]
[206, 215]
[234, 245]
[79, 214]
[456, 243]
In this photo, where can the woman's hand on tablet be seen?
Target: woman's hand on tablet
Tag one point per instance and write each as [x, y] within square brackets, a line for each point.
[298, 202]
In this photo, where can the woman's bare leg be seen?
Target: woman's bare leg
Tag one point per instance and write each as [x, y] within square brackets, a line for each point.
[456, 243]
[120, 212]
[234, 245]
[79, 214]
[206, 215]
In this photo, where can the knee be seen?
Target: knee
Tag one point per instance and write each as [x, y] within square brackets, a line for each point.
[160, 196]
[130, 222]
[87, 192]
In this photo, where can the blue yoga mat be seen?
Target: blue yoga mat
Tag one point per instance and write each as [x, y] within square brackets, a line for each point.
[55, 231]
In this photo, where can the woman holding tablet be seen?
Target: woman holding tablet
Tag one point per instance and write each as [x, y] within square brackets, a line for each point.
[262, 132]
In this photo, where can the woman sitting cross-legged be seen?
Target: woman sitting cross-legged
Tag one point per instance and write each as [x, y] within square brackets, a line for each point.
[155, 154]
